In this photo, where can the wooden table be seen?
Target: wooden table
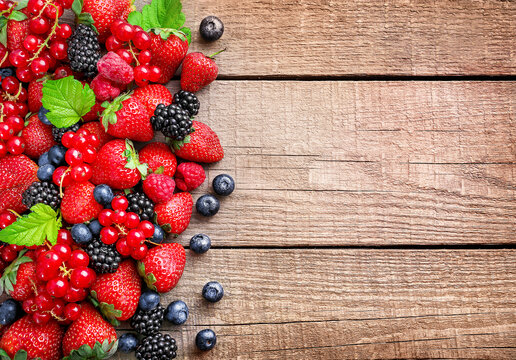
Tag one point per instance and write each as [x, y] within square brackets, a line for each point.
[373, 146]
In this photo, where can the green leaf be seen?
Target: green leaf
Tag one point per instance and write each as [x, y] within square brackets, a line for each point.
[67, 101]
[17, 16]
[42, 223]
[20, 355]
[109, 114]
[77, 7]
[159, 14]
[3, 36]
[8, 279]
[135, 18]
[22, 4]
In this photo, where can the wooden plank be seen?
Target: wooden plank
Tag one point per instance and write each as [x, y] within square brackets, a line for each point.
[374, 163]
[268, 38]
[341, 304]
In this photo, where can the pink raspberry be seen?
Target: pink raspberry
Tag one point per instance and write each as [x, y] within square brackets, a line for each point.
[113, 67]
[104, 89]
[189, 176]
[159, 188]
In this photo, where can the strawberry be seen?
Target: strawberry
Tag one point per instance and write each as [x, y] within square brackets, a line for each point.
[204, 145]
[189, 176]
[23, 270]
[35, 94]
[163, 266]
[17, 31]
[105, 12]
[78, 204]
[158, 155]
[17, 173]
[159, 188]
[174, 215]
[93, 114]
[127, 118]
[198, 71]
[94, 336]
[152, 95]
[167, 55]
[38, 137]
[117, 165]
[96, 128]
[39, 341]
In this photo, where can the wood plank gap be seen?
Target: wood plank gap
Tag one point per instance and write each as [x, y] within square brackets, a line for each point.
[501, 246]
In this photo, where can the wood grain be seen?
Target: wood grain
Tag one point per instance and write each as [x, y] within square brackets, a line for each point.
[342, 304]
[291, 38]
[362, 163]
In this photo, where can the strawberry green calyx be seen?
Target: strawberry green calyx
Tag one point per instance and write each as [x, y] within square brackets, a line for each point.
[149, 278]
[109, 114]
[20, 355]
[8, 279]
[133, 161]
[83, 17]
[108, 310]
[99, 351]
[178, 144]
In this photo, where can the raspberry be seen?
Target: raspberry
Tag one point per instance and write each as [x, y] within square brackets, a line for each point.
[104, 88]
[189, 176]
[114, 68]
[84, 50]
[159, 188]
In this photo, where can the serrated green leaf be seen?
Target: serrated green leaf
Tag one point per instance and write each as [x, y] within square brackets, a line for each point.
[159, 14]
[22, 4]
[135, 18]
[77, 7]
[17, 16]
[67, 101]
[188, 34]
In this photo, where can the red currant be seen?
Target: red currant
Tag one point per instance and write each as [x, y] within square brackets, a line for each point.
[79, 258]
[75, 294]
[16, 145]
[82, 132]
[40, 317]
[64, 237]
[147, 228]
[119, 217]
[61, 177]
[72, 311]
[58, 309]
[144, 57]
[43, 301]
[81, 173]
[125, 55]
[16, 123]
[8, 254]
[3, 153]
[25, 74]
[79, 142]
[59, 50]
[132, 221]
[29, 305]
[123, 248]
[31, 43]
[23, 109]
[124, 32]
[141, 75]
[64, 251]
[19, 58]
[11, 85]
[64, 31]
[52, 11]
[58, 287]
[40, 65]
[119, 203]
[89, 154]
[142, 40]
[135, 238]
[67, 139]
[113, 44]
[67, 4]
[6, 131]
[114, 25]
[62, 72]
[105, 217]
[39, 25]
[10, 108]
[35, 6]
[22, 95]
[139, 252]
[73, 157]
[82, 277]
[93, 140]
[108, 235]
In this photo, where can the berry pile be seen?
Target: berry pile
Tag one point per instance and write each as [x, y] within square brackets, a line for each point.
[85, 218]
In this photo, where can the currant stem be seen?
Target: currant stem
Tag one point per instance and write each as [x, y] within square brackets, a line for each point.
[134, 55]
[61, 182]
[50, 35]
[218, 52]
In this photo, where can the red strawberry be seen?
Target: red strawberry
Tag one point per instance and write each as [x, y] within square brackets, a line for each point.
[152, 95]
[96, 128]
[189, 176]
[158, 154]
[163, 266]
[117, 165]
[204, 145]
[127, 118]
[35, 94]
[159, 188]
[174, 215]
[118, 293]
[167, 55]
[78, 204]
[17, 173]
[38, 137]
[94, 113]
[104, 12]
[24, 271]
[198, 71]
[92, 330]
[17, 31]
[39, 341]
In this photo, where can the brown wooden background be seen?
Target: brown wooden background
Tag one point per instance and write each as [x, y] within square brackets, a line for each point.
[373, 144]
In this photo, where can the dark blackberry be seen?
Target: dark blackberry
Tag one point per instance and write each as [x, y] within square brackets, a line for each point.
[84, 50]
[45, 192]
[172, 120]
[103, 258]
[157, 347]
[148, 322]
[139, 203]
[187, 101]
[57, 133]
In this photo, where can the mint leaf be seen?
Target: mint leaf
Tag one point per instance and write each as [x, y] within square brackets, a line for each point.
[67, 101]
[42, 223]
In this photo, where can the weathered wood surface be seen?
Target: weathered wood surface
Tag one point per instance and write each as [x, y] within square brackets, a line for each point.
[342, 304]
[268, 38]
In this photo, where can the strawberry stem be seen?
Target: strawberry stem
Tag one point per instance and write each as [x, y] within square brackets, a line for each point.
[218, 52]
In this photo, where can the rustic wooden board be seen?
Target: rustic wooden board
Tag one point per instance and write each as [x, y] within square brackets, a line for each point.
[271, 38]
[362, 163]
[341, 304]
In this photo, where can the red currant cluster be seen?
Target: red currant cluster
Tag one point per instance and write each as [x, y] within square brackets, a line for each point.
[132, 44]
[81, 152]
[8, 252]
[125, 229]
[46, 45]
[14, 109]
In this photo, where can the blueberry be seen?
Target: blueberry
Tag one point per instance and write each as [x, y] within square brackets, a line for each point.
[211, 28]
[56, 154]
[177, 312]
[159, 234]
[42, 115]
[207, 205]
[127, 343]
[103, 194]
[223, 184]
[8, 312]
[43, 159]
[212, 291]
[205, 339]
[5, 72]
[200, 243]
[149, 300]
[45, 172]
[81, 234]
[95, 227]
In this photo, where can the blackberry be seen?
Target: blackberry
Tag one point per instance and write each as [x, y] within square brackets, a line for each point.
[157, 347]
[84, 50]
[57, 133]
[172, 120]
[148, 322]
[188, 101]
[139, 203]
[45, 192]
[103, 258]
